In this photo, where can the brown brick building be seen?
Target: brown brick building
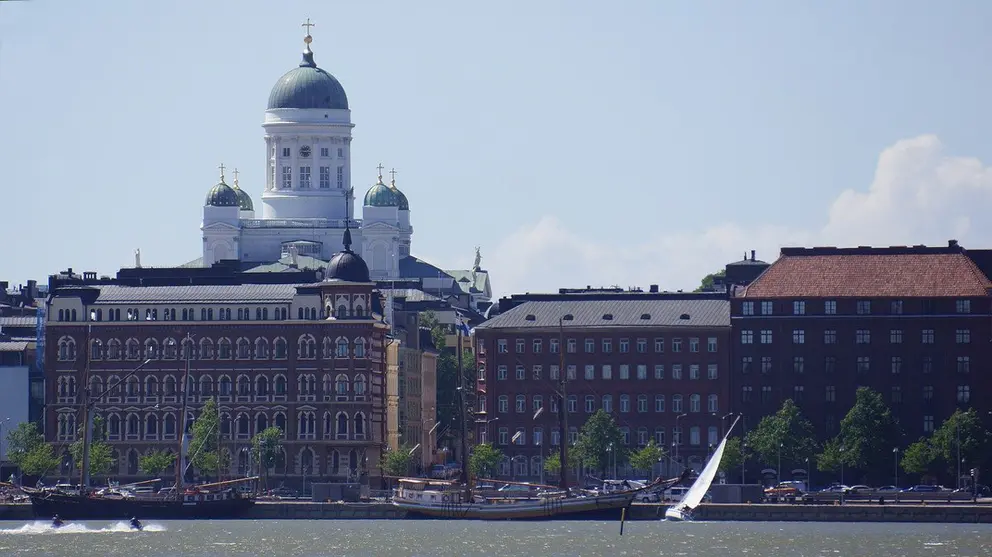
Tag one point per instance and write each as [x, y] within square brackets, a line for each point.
[308, 358]
[656, 362]
[912, 323]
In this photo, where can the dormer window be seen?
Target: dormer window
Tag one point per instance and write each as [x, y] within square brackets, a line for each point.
[530, 317]
[645, 316]
[684, 316]
[607, 316]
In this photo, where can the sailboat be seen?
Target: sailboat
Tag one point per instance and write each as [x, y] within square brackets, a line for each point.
[683, 509]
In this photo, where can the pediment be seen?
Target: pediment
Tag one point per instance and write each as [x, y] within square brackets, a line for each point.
[220, 226]
[379, 226]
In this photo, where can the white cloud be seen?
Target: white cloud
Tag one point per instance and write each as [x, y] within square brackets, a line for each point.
[919, 195]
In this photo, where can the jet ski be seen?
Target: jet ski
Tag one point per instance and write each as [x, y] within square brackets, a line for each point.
[135, 524]
[57, 522]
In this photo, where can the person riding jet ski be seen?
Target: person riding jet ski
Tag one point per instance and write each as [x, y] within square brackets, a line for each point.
[57, 521]
[135, 524]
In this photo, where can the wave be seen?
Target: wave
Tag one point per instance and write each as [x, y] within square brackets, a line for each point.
[45, 527]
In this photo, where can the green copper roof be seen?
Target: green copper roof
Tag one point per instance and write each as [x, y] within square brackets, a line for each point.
[380, 195]
[222, 195]
[401, 199]
[244, 200]
[308, 87]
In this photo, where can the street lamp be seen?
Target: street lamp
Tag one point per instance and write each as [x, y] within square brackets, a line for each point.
[895, 466]
[488, 437]
[723, 424]
[779, 473]
[809, 475]
[743, 460]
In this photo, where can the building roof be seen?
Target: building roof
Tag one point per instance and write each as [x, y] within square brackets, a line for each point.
[308, 86]
[469, 281]
[625, 313]
[248, 293]
[19, 321]
[869, 273]
[412, 267]
[381, 195]
[285, 265]
[13, 346]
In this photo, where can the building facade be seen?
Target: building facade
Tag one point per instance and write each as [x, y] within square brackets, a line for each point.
[656, 362]
[307, 358]
[912, 323]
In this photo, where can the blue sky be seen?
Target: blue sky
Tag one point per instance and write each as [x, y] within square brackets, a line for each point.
[576, 142]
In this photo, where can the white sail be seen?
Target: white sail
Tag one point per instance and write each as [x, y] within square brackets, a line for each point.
[698, 490]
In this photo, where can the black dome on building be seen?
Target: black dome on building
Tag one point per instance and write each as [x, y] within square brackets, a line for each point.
[347, 265]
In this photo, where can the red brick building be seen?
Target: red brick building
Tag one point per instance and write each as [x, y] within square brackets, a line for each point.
[912, 323]
[308, 358]
[656, 362]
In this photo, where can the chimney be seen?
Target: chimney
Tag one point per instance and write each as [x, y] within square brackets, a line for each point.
[952, 243]
[653, 289]
[752, 255]
[137, 258]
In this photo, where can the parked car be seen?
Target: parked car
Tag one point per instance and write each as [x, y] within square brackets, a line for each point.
[859, 489]
[923, 489]
[888, 489]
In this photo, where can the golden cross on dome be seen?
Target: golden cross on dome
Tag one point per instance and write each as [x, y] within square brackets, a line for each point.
[380, 167]
[392, 174]
[221, 171]
[308, 25]
[236, 176]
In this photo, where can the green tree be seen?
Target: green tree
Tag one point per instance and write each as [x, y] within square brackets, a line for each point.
[600, 443]
[831, 457]
[484, 460]
[265, 449]
[707, 281]
[646, 457]
[787, 432]
[920, 459]
[449, 403]
[155, 463]
[733, 457]
[961, 433]
[868, 433]
[552, 463]
[26, 448]
[397, 463]
[203, 443]
[101, 458]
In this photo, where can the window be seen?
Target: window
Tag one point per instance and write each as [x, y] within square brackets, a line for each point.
[501, 346]
[305, 177]
[676, 371]
[862, 336]
[659, 345]
[659, 403]
[287, 177]
[896, 394]
[830, 336]
[590, 404]
[694, 435]
[642, 371]
[927, 365]
[607, 371]
[766, 308]
[570, 373]
[711, 404]
[501, 373]
[642, 345]
[521, 404]
[797, 393]
[504, 435]
[624, 371]
[521, 346]
[572, 346]
[766, 393]
[693, 345]
[590, 346]
[962, 336]
[747, 336]
[964, 364]
[590, 372]
[746, 393]
[693, 371]
[607, 346]
[896, 365]
[798, 336]
[927, 336]
[503, 404]
[798, 307]
[928, 424]
[711, 371]
[573, 403]
[963, 306]
[798, 364]
[553, 346]
[895, 336]
[677, 403]
[536, 372]
[895, 307]
[642, 403]
[746, 363]
[831, 393]
[928, 393]
[964, 394]
[537, 402]
[325, 177]
[676, 345]
[553, 372]
[864, 307]
[766, 364]
[537, 345]
[830, 307]
[659, 372]
[711, 345]
[340, 152]
[864, 364]
[747, 308]
[325, 152]
[766, 336]
[624, 345]
[624, 403]
[521, 373]
[340, 177]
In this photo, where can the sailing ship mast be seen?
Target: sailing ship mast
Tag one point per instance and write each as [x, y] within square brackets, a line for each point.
[562, 405]
[464, 414]
[181, 460]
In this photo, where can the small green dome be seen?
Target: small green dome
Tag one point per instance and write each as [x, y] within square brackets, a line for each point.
[222, 195]
[401, 199]
[380, 195]
[244, 200]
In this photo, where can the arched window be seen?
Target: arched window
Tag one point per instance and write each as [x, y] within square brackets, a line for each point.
[326, 386]
[171, 349]
[133, 349]
[624, 403]
[642, 403]
[342, 429]
[261, 423]
[280, 348]
[132, 462]
[151, 426]
[307, 347]
[206, 386]
[335, 462]
[189, 348]
[225, 425]
[114, 427]
[244, 349]
[114, 386]
[224, 386]
[114, 349]
[169, 386]
[206, 349]
[359, 425]
[280, 388]
[244, 385]
[280, 422]
[169, 425]
[96, 386]
[307, 461]
[244, 426]
[133, 389]
[694, 403]
[327, 348]
[341, 385]
[280, 467]
[361, 385]
[262, 386]
[67, 349]
[342, 348]
[711, 404]
[96, 349]
[151, 349]
[261, 348]
[328, 425]
[133, 426]
[359, 347]
[342, 311]
[224, 351]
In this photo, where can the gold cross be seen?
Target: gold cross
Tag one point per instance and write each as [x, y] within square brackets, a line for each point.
[380, 167]
[392, 174]
[308, 25]
[221, 172]
[235, 176]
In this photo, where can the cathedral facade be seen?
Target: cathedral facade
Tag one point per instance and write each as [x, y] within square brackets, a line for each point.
[307, 201]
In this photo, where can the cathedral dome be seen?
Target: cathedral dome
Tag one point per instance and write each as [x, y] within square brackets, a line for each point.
[222, 195]
[347, 265]
[401, 199]
[308, 87]
[381, 195]
[244, 200]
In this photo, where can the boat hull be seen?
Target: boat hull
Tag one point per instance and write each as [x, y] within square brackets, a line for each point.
[607, 507]
[677, 515]
[76, 507]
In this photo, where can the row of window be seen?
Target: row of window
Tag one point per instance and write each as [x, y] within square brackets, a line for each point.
[830, 393]
[222, 314]
[337, 462]
[861, 336]
[304, 177]
[225, 349]
[862, 364]
[862, 307]
[642, 436]
[305, 150]
[694, 371]
[537, 402]
[606, 345]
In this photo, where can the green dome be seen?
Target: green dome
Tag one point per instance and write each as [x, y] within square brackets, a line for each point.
[380, 195]
[222, 195]
[244, 200]
[401, 199]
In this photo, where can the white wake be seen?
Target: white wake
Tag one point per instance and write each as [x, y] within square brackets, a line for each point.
[45, 527]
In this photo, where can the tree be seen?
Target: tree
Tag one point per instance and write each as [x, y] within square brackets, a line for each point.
[265, 446]
[646, 457]
[832, 457]
[204, 442]
[961, 433]
[600, 443]
[155, 463]
[396, 463]
[484, 460]
[449, 403]
[867, 435]
[26, 449]
[787, 433]
[100, 453]
[552, 464]
[707, 282]
[920, 459]
[733, 456]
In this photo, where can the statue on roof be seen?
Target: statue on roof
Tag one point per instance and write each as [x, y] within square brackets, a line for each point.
[478, 259]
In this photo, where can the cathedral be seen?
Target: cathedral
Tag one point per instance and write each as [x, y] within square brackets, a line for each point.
[307, 201]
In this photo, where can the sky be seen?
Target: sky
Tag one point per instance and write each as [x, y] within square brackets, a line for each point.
[577, 143]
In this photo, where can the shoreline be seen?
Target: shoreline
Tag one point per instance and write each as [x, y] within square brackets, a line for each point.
[948, 513]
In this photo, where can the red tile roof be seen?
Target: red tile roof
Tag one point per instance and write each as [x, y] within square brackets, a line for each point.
[870, 276]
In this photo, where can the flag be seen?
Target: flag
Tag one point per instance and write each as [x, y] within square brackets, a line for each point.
[460, 325]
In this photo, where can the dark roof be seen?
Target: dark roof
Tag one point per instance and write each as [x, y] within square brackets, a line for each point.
[411, 267]
[13, 346]
[19, 321]
[869, 273]
[308, 87]
[257, 293]
[623, 313]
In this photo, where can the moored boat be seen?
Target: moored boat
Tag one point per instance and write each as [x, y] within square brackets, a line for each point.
[682, 510]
